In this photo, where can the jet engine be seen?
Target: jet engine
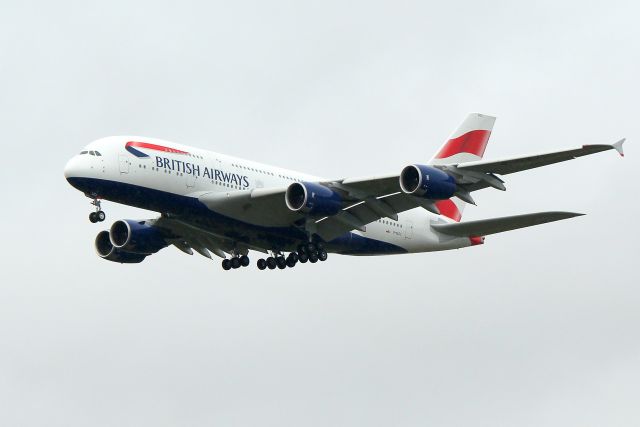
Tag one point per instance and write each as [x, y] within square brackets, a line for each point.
[107, 251]
[427, 182]
[313, 199]
[136, 237]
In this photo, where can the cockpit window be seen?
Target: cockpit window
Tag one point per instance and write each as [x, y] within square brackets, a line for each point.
[98, 153]
[92, 153]
[83, 152]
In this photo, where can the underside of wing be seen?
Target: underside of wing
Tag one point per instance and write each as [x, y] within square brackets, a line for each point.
[189, 237]
[359, 215]
[357, 202]
[264, 207]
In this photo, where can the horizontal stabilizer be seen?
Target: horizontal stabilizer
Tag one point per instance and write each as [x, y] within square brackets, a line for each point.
[498, 225]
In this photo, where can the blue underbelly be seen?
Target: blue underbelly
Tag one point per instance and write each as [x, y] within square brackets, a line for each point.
[192, 210]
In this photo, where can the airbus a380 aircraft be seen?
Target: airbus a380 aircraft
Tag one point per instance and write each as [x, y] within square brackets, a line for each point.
[213, 203]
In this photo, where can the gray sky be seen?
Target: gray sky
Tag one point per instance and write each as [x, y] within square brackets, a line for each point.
[538, 327]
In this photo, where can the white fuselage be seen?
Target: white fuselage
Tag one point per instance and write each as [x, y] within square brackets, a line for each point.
[189, 172]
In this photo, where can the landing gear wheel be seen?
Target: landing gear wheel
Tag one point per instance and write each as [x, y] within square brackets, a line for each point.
[235, 263]
[244, 260]
[226, 264]
[310, 248]
[262, 264]
[303, 257]
[293, 256]
[322, 255]
[271, 263]
[291, 263]
[313, 258]
[98, 215]
[282, 263]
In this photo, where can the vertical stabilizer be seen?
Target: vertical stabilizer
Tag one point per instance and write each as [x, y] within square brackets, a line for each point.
[466, 144]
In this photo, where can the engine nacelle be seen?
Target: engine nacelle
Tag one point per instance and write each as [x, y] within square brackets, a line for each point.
[427, 182]
[107, 251]
[313, 199]
[136, 237]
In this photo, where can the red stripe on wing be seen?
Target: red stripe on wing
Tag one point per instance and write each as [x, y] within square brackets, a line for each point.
[472, 142]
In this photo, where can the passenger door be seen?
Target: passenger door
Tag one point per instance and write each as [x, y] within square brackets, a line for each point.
[408, 230]
[190, 180]
[124, 162]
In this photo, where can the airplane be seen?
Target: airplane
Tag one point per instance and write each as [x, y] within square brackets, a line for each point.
[216, 204]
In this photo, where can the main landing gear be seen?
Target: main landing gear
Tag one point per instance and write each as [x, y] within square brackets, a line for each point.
[98, 215]
[235, 262]
[309, 252]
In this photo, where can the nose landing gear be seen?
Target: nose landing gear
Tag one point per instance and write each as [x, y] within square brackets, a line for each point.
[98, 215]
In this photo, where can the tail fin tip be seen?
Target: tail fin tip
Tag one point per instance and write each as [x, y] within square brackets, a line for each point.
[469, 140]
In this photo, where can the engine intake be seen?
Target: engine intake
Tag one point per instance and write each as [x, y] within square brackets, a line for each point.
[107, 251]
[136, 237]
[428, 182]
[313, 199]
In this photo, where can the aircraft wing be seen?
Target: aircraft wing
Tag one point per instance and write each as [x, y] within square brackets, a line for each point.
[189, 237]
[365, 200]
[479, 174]
[261, 206]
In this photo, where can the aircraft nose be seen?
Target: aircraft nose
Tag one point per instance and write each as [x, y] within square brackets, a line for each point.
[72, 168]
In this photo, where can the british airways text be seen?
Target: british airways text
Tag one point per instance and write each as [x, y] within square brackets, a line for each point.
[205, 172]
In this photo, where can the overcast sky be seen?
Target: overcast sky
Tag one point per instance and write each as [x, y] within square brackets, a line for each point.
[538, 327]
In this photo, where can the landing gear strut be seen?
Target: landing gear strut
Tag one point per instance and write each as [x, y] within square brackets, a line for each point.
[98, 215]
